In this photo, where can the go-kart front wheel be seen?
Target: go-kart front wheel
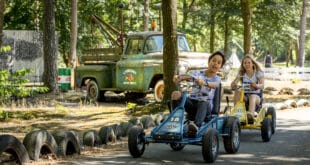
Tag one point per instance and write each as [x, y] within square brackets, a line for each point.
[210, 145]
[177, 146]
[136, 141]
[266, 129]
[232, 142]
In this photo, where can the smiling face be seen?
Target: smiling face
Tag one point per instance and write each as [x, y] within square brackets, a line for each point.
[247, 64]
[215, 63]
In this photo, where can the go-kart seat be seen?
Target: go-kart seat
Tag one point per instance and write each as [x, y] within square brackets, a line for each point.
[216, 103]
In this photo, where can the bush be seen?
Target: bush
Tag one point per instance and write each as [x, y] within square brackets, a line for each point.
[12, 85]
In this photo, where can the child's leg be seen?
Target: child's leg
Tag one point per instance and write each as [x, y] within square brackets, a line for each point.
[175, 99]
[203, 110]
[254, 100]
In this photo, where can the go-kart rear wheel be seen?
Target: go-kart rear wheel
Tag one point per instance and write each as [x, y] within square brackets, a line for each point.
[232, 142]
[266, 129]
[177, 146]
[210, 145]
[136, 141]
[271, 113]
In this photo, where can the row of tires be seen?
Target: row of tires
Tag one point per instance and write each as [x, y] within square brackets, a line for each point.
[42, 144]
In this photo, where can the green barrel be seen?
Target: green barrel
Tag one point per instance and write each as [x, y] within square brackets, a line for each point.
[64, 79]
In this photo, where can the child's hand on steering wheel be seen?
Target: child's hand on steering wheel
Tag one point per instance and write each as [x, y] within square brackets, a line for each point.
[200, 82]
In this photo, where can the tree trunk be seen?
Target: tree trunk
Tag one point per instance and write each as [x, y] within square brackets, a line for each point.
[186, 10]
[212, 26]
[288, 55]
[2, 9]
[247, 20]
[146, 15]
[170, 56]
[226, 35]
[302, 37]
[49, 46]
[73, 37]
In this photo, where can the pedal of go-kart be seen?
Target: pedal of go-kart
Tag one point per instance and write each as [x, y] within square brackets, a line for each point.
[167, 137]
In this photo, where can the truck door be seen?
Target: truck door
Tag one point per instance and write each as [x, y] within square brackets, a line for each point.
[129, 70]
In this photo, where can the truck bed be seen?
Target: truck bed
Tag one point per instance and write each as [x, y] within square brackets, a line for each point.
[101, 55]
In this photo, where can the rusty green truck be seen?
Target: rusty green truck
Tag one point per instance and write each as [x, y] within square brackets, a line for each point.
[133, 66]
[137, 69]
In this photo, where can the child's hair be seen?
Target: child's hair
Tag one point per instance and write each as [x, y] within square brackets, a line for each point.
[218, 53]
[256, 65]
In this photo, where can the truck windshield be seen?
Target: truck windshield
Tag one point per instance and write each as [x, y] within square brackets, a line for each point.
[155, 44]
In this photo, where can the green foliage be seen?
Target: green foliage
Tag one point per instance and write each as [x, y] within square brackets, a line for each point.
[8, 115]
[151, 108]
[14, 85]
[275, 23]
[5, 49]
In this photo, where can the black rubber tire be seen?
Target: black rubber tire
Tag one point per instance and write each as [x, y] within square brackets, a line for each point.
[125, 126]
[117, 131]
[68, 143]
[232, 142]
[91, 138]
[39, 143]
[177, 146]
[11, 145]
[106, 134]
[159, 91]
[147, 121]
[158, 118]
[210, 145]
[93, 92]
[266, 129]
[136, 141]
[272, 112]
[134, 95]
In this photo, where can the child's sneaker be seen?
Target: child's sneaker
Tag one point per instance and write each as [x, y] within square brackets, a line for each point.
[192, 128]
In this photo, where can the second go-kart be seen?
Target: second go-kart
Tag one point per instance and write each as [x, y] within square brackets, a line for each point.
[172, 131]
[264, 121]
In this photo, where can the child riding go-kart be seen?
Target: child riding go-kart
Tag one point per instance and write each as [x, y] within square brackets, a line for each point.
[265, 120]
[173, 131]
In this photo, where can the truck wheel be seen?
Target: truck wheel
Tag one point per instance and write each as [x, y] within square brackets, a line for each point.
[266, 129]
[159, 91]
[93, 92]
[271, 113]
[210, 145]
[232, 142]
[177, 146]
[136, 141]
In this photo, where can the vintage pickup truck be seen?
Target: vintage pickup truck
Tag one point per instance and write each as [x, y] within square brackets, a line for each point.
[137, 69]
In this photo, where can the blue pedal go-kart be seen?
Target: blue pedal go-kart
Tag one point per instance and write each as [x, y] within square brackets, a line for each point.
[173, 131]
